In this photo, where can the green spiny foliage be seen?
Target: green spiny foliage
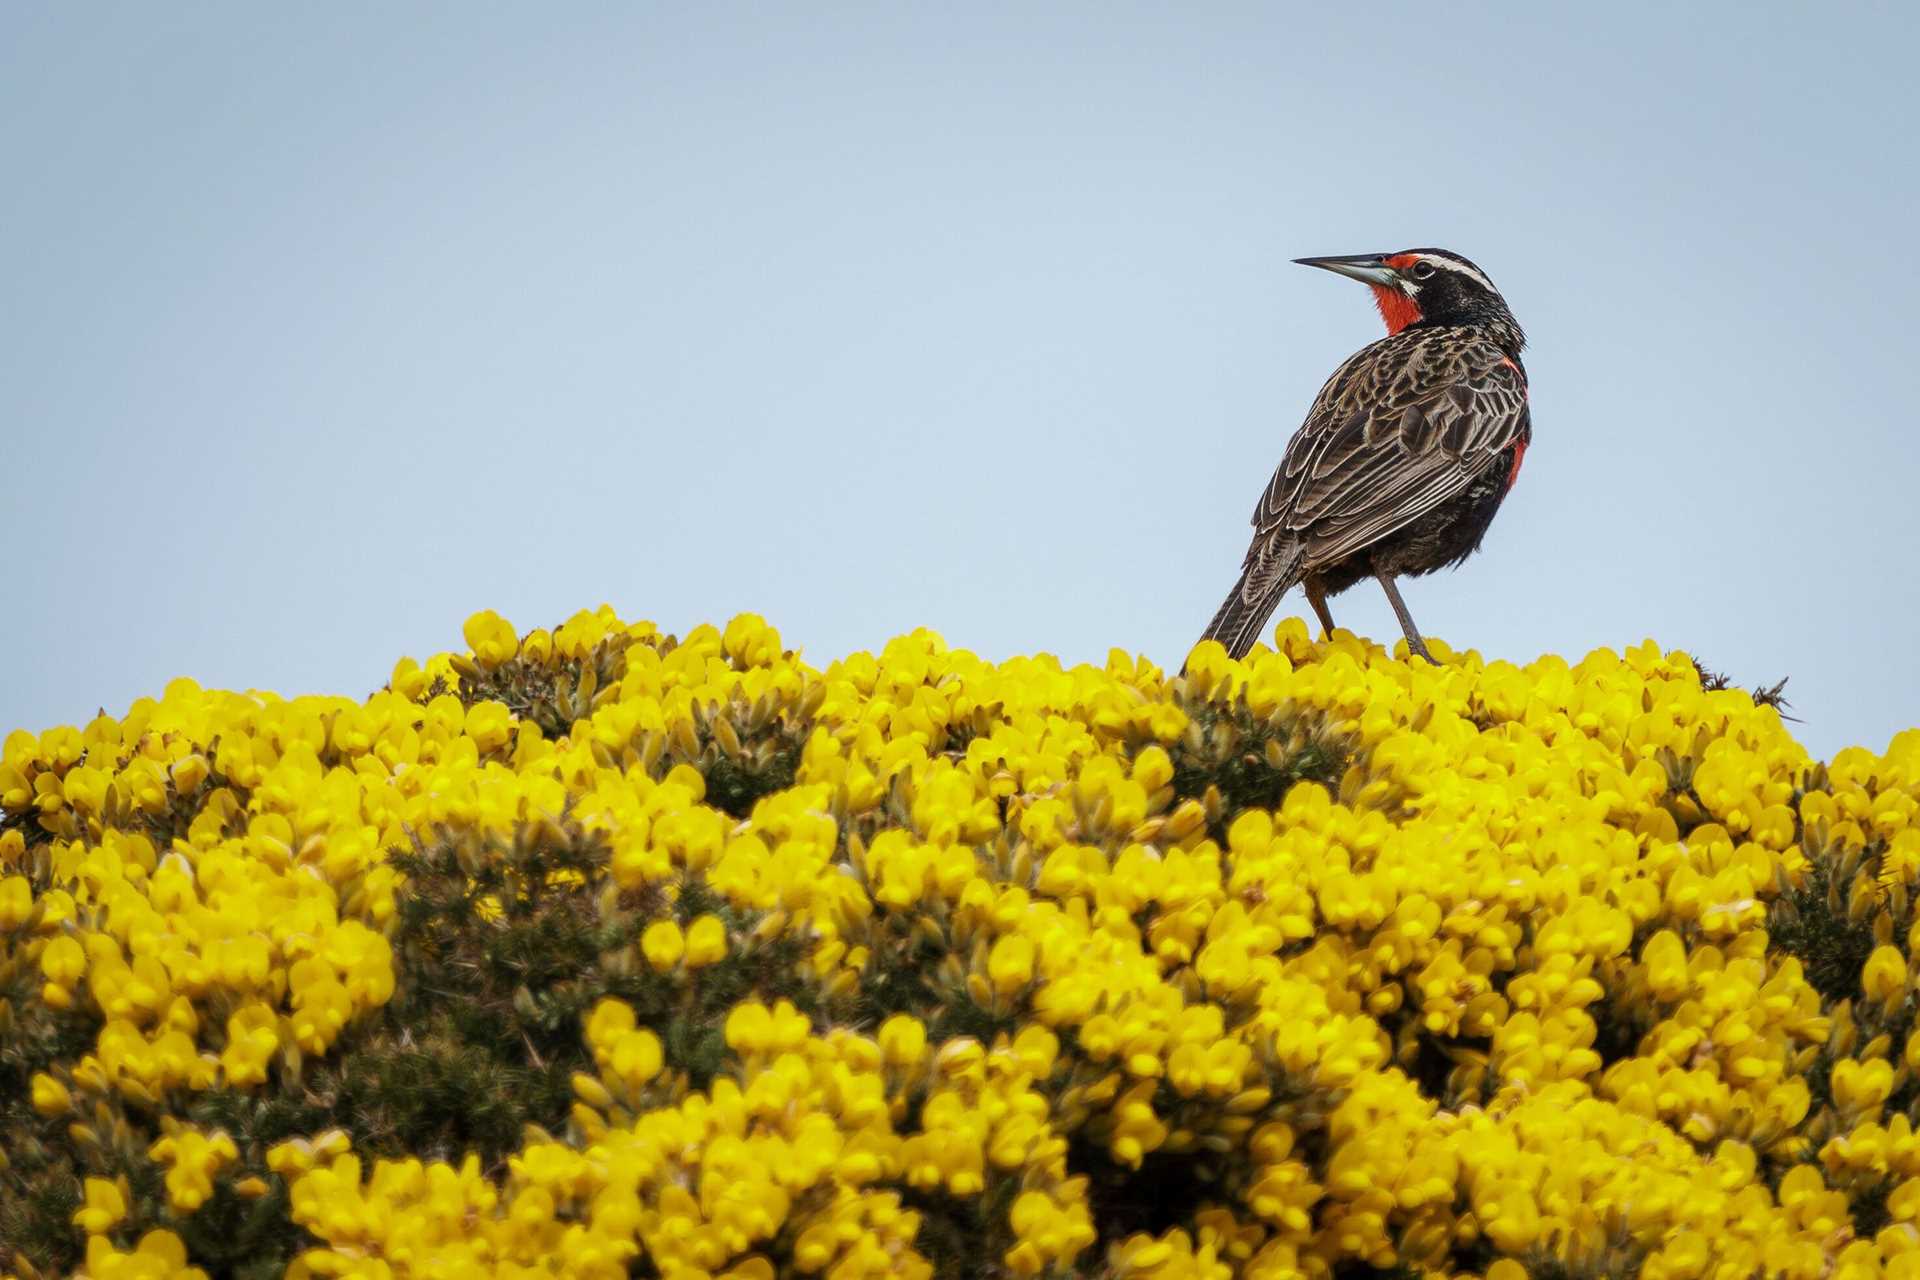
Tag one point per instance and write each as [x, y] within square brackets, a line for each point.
[551, 694]
[41, 1164]
[1816, 922]
[1163, 1192]
[1234, 760]
[1620, 1259]
[1773, 695]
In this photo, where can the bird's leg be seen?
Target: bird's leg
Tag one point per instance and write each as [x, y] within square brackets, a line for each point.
[1414, 643]
[1318, 599]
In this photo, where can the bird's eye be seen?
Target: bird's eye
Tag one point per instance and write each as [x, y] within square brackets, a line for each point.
[1422, 270]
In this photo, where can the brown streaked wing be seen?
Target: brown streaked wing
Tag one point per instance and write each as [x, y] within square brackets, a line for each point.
[1403, 425]
[1315, 434]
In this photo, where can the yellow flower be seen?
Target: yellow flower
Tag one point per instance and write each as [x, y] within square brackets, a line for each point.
[252, 1040]
[663, 944]
[903, 1040]
[1862, 1086]
[1010, 965]
[189, 772]
[491, 637]
[1884, 979]
[158, 1254]
[636, 1057]
[192, 1159]
[706, 942]
[749, 1028]
[489, 724]
[104, 1209]
[63, 961]
[50, 1097]
[16, 903]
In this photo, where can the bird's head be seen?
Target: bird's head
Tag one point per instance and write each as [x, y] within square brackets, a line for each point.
[1426, 286]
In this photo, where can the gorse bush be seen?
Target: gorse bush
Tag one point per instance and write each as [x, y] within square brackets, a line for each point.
[594, 952]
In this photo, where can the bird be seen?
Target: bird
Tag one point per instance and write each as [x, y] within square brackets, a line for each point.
[1406, 454]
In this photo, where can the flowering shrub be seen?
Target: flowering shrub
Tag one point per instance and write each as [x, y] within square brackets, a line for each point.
[593, 952]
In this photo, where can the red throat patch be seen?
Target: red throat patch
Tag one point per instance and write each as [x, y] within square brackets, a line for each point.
[1396, 308]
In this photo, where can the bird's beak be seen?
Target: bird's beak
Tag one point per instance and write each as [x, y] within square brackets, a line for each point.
[1367, 268]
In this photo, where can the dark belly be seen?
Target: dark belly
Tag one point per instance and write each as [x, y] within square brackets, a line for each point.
[1440, 539]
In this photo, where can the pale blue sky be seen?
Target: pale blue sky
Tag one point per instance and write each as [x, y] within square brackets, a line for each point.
[322, 327]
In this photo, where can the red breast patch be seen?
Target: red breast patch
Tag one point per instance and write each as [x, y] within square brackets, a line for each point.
[1519, 456]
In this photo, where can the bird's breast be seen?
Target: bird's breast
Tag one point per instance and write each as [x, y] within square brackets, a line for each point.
[1519, 456]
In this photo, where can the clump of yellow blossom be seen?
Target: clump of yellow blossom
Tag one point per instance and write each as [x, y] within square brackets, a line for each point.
[592, 949]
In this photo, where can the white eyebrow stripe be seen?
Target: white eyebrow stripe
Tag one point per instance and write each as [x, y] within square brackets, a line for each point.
[1450, 265]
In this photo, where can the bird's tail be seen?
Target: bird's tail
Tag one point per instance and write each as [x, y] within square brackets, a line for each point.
[1244, 613]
